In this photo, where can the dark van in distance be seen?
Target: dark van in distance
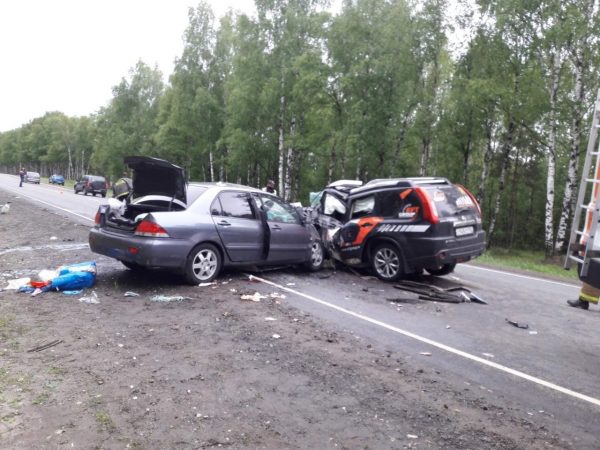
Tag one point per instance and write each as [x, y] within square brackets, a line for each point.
[91, 184]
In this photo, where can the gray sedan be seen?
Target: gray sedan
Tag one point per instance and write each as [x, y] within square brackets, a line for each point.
[197, 229]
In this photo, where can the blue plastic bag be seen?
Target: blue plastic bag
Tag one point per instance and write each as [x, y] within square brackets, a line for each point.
[75, 276]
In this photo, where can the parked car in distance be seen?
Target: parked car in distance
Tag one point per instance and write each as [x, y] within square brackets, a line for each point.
[197, 229]
[399, 226]
[91, 184]
[32, 177]
[56, 179]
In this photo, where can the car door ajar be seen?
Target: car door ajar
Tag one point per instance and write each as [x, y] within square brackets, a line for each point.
[239, 227]
[289, 239]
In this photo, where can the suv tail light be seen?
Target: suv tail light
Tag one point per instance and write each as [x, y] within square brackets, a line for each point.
[430, 212]
[97, 218]
[471, 196]
[150, 228]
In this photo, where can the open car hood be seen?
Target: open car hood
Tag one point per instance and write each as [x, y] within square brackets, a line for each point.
[154, 176]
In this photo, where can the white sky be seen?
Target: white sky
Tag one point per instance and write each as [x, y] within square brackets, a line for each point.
[66, 55]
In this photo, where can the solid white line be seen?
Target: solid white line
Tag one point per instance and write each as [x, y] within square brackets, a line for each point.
[22, 194]
[439, 345]
[518, 276]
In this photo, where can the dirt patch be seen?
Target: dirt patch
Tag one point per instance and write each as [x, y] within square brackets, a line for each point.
[209, 370]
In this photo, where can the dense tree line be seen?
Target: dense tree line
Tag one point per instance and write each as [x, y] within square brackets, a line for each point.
[304, 96]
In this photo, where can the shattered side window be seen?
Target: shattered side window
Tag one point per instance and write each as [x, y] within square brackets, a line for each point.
[404, 204]
[334, 207]
[362, 207]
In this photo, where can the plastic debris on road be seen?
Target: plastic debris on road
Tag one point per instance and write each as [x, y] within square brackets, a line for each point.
[72, 277]
[206, 284]
[131, 294]
[277, 295]
[167, 298]
[18, 283]
[91, 299]
[256, 297]
[523, 326]
[75, 292]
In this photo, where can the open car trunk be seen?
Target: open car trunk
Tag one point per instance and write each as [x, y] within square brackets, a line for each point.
[156, 186]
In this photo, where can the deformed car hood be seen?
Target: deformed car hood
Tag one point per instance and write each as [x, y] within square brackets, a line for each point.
[154, 176]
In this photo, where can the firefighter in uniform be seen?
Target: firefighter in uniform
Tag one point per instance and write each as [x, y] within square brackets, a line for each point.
[588, 294]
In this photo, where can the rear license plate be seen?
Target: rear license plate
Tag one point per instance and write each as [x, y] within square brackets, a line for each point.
[465, 231]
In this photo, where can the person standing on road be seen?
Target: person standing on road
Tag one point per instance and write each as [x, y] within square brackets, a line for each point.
[22, 174]
[588, 294]
[270, 187]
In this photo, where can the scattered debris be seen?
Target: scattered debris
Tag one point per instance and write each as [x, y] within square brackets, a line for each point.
[523, 326]
[167, 299]
[45, 346]
[533, 332]
[53, 238]
[73, 292]
[277, 295]
[425, 353]
[270, 319]
[488, 355]
[457, 294]
[91, 299]
[206, 284]
[448, 327]
[276, 336]
[16, 284]
[131, 294]
[5, 208]
[256, 297]
[290, 284]
[403, 300]
[412, 436]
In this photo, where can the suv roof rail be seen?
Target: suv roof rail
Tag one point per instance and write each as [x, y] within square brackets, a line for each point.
[345, 183]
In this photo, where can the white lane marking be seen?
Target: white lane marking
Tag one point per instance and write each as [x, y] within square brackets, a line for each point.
[21, 194]
[519, 276]
[439, 345]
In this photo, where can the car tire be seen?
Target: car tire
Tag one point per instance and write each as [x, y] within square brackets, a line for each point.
[386, 262]
[317, 257]
[441, 270]
[104, 195]
[132, 266]
[203, 264]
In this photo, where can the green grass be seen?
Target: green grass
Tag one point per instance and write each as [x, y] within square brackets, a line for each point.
[527, 260]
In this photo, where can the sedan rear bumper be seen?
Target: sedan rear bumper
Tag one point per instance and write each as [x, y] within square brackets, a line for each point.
[164, 253]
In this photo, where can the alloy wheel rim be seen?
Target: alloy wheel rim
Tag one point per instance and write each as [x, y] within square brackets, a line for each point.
[316, 254]
[205, 264]
[387, 263]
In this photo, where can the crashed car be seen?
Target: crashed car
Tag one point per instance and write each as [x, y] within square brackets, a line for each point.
[399, 226]
[197, 229]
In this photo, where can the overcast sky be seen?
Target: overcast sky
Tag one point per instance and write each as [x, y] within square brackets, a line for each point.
[66, 55]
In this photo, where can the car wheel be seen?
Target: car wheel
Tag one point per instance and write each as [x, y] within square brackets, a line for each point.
[386, 262]
[132, 266]
[203, 265]
[441, 270]
[317, 257]
[103, 194]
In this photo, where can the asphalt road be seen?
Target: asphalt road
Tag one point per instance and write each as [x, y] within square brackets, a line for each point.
[549, 369]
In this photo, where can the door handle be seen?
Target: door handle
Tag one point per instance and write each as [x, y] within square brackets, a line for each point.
[276, 227]
[224, 223]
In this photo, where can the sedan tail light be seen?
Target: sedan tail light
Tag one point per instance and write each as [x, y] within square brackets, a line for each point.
[430, 212]
[150, 228]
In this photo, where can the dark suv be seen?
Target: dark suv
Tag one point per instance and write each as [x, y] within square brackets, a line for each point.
[91, 184]
[400, 226]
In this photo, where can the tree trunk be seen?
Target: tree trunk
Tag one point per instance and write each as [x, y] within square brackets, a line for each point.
[575, 141]
[424, 156]
[502, 181]
[289, 163]
[487, 158]
[212, 166]
[551, 173]
[332, 163]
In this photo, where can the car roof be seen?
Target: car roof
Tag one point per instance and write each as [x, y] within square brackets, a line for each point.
[345, 189]
[224, 185]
